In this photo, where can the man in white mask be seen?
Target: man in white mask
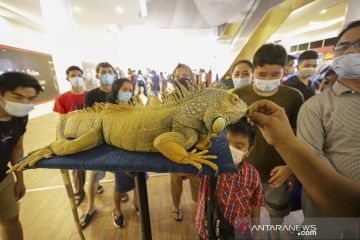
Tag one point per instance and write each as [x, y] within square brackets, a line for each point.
[71, 101]
[106, 75]
[17, 94]
[307, 65]
[330, 122]
[268, 66]
[289, 69]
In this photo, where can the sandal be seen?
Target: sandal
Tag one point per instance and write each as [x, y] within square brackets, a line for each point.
[79, 197]
[86, 219]
[100, 189]
[118, 221]
[177, 215]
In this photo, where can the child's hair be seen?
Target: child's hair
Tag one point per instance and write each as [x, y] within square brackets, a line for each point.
[243, 127]
[104, 65]
[117, 84]
[181, 65]
[271, 54]
[290, 57]
[244, 61]
[308, 55]
[9, 81]
[72, 68]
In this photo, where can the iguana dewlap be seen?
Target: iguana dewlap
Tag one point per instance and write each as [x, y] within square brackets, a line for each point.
[184, 119]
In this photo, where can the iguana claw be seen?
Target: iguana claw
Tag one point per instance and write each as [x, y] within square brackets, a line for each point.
[198, 158]
[32, 159]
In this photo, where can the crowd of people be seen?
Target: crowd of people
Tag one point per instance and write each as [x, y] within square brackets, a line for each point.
[271, 162]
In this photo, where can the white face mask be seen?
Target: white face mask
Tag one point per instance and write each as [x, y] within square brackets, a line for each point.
[17, 109]
[347, 66]
[267, 85]
[241, 82]
[76, 81]
[307, 72]
[236, 154]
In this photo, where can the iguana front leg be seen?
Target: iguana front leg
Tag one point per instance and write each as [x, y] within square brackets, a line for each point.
[173, 145]
[62, 147]
[206, 143]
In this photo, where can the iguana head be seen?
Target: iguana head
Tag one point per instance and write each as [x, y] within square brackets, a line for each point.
[222, 109]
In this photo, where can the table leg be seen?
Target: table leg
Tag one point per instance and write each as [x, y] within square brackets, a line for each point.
[141, 188]
[69, 190]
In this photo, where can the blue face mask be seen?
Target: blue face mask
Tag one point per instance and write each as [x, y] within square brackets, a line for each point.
[124, 96]
[107, 79]
[76, 81]
[347, 66]
[241, 82]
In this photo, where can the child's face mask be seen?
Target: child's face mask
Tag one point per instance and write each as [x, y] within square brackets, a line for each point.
[237, 155]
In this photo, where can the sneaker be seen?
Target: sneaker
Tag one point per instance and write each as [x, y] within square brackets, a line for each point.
[118, 221]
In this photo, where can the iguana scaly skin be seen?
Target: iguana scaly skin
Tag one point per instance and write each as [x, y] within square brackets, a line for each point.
[184, 119]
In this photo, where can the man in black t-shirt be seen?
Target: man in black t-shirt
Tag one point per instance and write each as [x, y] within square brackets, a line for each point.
[106, 75]
[17, 93]
[307, 64]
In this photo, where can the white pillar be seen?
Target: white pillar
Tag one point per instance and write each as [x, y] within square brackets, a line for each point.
[59, 25]
[353, 11]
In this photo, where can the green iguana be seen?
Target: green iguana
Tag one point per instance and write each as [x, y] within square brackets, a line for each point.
[183, 119]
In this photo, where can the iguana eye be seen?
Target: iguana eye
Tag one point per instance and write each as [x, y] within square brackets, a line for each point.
[235, 99]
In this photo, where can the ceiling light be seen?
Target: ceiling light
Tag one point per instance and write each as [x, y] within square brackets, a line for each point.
[323, 11]
[77, 9]
[119, 10]
[314, 23]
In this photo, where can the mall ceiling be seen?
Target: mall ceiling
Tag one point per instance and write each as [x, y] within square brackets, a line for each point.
[233, 21]
[158, 13]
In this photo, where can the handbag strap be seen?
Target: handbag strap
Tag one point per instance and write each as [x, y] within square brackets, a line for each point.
[211, 232]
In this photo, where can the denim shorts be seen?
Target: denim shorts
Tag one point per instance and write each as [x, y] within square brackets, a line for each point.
[123, 182]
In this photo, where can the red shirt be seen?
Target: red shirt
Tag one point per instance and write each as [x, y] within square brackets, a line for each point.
[68, 102]
[235, 193]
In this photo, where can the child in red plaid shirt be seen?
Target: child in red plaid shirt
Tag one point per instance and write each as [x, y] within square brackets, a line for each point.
[239, 194]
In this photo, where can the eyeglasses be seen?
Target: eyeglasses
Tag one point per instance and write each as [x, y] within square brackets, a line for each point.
[346, 46]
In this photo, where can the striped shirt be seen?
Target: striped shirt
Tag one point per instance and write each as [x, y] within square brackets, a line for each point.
[236, 193]
[330, 124]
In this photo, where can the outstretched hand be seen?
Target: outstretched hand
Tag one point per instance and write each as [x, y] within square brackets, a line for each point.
[272, 121]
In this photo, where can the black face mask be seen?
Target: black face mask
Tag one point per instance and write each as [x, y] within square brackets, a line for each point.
[184, 81]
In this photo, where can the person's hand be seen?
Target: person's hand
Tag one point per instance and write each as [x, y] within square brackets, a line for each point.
[272, 121]
[279, 175]
[20, 190]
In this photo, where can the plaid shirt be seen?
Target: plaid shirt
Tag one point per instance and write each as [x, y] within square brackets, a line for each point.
[236, 193]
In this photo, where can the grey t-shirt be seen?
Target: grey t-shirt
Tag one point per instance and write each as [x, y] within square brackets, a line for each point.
[330, 124]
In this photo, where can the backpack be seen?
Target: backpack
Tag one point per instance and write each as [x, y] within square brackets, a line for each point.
[216, 226]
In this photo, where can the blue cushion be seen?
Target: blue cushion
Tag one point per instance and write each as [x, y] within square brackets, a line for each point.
[109, 158]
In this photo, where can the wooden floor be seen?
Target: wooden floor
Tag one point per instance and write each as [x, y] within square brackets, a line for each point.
[45, 212]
